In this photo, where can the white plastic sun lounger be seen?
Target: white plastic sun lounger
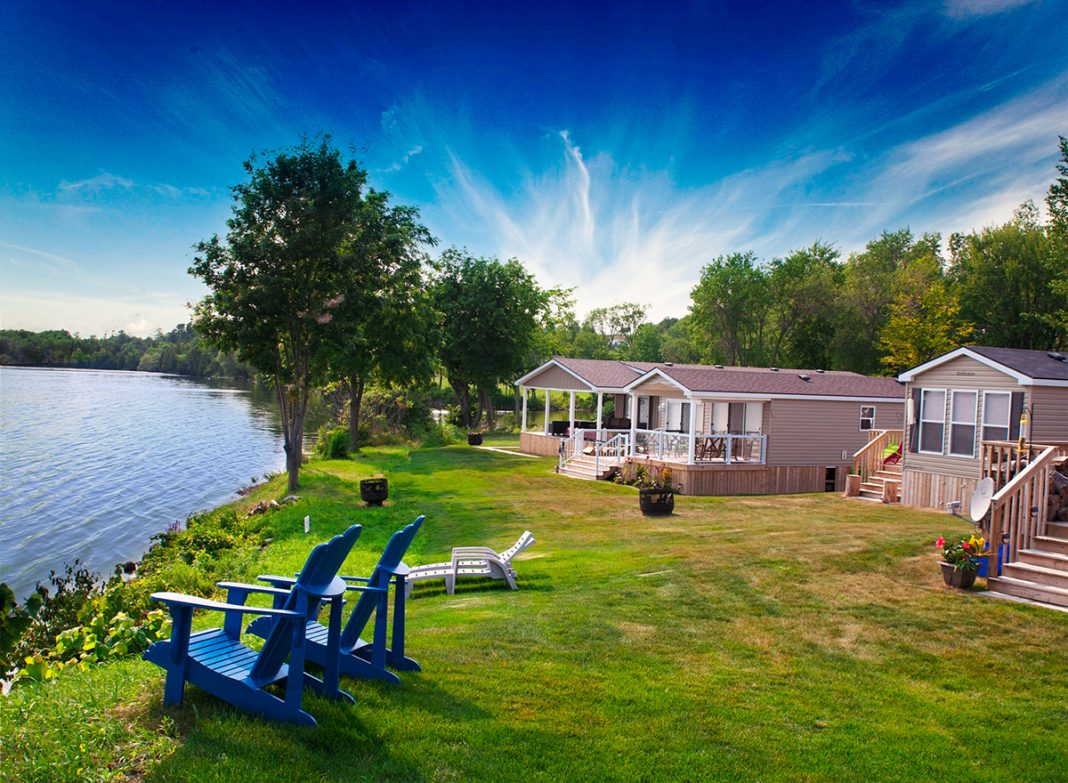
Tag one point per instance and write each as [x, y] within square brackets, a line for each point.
[473, 561]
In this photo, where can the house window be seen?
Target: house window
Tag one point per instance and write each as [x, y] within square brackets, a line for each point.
[932, 421]
[996, 408]
[867, 417]
[962, 423]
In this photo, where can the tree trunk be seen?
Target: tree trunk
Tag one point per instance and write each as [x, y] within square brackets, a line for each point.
[463, 399]
[485, 402]
[355, 400]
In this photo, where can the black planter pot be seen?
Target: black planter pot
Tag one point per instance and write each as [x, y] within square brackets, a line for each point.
[957, 577]
[656, 502]
[374, 491]
[474, 439]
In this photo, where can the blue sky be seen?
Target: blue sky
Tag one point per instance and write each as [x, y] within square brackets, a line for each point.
[616, 148]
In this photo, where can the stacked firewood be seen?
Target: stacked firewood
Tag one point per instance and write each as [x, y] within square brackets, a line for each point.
[1058, 495]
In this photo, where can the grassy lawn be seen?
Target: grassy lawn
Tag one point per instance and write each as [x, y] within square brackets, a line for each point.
[765, 638]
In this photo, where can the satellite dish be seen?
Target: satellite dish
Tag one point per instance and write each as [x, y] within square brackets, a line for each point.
[984, 491]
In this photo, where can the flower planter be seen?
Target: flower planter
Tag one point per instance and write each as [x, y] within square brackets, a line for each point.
[374, 491]
[656, 502]
[957, 577]
[984, 562]
[474, 439]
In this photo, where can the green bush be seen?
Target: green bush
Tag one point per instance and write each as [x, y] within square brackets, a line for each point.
[333, 442]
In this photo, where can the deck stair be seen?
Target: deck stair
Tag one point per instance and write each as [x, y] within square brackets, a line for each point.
[584, 466]
[1040, 572]
[873, 487]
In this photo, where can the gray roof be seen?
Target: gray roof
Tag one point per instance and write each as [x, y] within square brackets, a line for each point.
[1033, 364]
[701, 378]
[759, 380]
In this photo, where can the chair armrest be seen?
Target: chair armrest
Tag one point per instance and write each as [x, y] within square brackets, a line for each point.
[205, 603]
[252, 588]
[483, 551]
[356, 578]
[277, 580]
[367, 589]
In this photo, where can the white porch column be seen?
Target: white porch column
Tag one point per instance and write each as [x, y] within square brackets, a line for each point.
[571, 414]
[693, 433]
[600, 404]
[523, 427]
[546, 428]
[633, 423]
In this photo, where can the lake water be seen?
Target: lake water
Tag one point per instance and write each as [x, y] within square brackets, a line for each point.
[93, 463]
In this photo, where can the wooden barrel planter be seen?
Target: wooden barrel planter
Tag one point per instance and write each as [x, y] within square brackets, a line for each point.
[474, 439]
[957, 577]
[656, 502]
[374, 491]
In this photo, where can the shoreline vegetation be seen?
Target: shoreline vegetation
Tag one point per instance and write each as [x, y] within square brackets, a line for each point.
[780, 637]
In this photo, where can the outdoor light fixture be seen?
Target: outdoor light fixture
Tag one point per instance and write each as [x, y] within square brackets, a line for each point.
[1025, 419]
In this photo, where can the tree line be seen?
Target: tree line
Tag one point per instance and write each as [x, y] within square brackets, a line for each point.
[180, 351]
[321, 280]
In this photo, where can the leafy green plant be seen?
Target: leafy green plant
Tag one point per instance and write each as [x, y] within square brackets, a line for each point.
[14, 622]
[333, 442]
[963, 553]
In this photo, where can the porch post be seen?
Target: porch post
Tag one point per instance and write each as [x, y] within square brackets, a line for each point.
[571, 414]
[523, 428]
[546, 428]
[600, 403]
[633, 422]
[693, 433]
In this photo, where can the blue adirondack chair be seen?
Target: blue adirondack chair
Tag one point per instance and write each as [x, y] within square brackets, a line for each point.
[216, 660]
[360, 658]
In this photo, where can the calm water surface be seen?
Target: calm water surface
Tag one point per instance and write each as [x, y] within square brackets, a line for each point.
[94, 462]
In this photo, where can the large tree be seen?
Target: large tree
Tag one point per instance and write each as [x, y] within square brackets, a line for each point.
[385, 328]
[1057, 252]
[729, 310]
[489, 317]
[278, 280]
[801, 290]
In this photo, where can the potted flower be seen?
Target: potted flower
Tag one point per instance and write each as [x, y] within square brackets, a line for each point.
[656, 493]
[960, 559]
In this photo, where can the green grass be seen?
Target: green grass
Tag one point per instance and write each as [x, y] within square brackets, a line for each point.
[767, 638]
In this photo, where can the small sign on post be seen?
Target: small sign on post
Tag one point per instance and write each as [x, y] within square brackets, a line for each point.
[307, 524]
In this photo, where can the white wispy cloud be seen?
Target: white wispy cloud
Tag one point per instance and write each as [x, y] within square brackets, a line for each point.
[624, 234]
[63, 263]
[96, 188]
[969, 9]
[101, 182]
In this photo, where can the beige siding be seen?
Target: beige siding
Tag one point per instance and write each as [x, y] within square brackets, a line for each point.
[967, 374]
[1050, 409]
[558, 379]
[815, 432]
[659, 387]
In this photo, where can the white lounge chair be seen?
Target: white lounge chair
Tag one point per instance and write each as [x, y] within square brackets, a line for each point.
[473, 561]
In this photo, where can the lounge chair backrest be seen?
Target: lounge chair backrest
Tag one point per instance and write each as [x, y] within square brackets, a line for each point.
[383, 572]
[318, 579]
[525, 540]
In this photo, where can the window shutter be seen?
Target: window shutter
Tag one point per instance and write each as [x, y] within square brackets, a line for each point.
[914, 433]
[1014, 415]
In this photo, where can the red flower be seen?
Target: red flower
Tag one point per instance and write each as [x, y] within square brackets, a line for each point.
[940, 542]
[964, 545]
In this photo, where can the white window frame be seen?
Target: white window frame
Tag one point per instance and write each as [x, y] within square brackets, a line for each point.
[1008, 415]
[941, 420]
[974, 423]
[864, 418]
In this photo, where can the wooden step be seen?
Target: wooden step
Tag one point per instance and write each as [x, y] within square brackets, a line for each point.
[1050, 544]
[871, 494]
[1040, 557]
[891, 470]
[1057, 530]
[1024, 589]
[883, 475]
[872, 486]
[1036, 573]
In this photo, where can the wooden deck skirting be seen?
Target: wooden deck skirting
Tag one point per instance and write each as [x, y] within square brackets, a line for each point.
[539, 444]
[720, 479]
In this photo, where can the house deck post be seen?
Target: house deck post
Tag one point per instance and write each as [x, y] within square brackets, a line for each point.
[546, 427]
[600, 405]
[633, 423]
[523, 427]
[571, 415]
[693, 433]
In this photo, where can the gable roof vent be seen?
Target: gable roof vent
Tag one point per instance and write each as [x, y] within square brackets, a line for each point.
[804, 377]
[669, 364]
[821, 372]
[774, 369]
[1060, 357]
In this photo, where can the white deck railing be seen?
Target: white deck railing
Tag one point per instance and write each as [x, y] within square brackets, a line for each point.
[708, 447]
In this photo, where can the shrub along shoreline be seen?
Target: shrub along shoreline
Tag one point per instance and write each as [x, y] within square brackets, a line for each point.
[780, 638]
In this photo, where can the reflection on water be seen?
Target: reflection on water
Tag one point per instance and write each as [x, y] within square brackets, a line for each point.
[94, 462]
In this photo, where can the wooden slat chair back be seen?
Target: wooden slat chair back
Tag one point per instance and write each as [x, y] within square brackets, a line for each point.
[215, 660]
[356, 657]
